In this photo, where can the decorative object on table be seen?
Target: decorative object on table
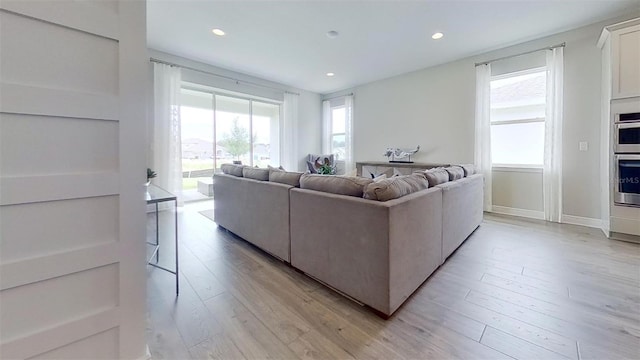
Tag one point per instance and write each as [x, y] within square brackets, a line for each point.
[150, 175]
[322, 164]
[237, 162]
[397, 155]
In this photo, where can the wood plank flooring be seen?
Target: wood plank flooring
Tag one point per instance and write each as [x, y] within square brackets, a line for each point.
[516, 289]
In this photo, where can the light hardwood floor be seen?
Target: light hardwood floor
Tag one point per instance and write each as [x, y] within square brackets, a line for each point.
[515, 289]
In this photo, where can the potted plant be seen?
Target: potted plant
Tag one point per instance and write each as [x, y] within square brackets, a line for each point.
[150, 175]
[326, 168]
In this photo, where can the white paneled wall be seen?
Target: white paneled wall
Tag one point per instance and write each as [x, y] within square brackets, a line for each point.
[72, 161]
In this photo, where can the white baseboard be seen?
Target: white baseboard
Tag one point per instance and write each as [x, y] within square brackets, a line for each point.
[539, 215]
[582, 221]
[146, 356]
[531, 214]
[606, 228]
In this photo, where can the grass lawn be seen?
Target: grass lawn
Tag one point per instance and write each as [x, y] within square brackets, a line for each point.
[189, 183]
[191, 165]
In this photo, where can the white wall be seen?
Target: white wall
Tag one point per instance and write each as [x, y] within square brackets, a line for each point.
[309, 103]
[518, 189]
[72, 223]
[434, 108]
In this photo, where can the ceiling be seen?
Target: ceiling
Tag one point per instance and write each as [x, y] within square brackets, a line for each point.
[286, 42]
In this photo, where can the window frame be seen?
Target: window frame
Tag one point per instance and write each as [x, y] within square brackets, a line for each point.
[221, 92]
[524, 167]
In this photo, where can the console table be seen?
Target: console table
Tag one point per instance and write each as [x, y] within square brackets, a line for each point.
[375, 168]
[156, 195]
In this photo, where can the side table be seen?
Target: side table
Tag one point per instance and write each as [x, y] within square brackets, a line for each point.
[156, 195]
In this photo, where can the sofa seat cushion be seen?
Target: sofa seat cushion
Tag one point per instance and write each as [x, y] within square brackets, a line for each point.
[335, 184]
[255, 173]
[455, 172]
[469, 169]
[285, 177]
[436, 176]
[232, 169]
[396, 187]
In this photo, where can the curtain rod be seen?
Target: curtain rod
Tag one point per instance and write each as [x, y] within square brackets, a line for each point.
[524, 53]
[337, 96]
[221, 76]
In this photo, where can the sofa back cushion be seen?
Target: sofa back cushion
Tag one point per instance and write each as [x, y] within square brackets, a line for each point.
[285, 177]
[455, 172]
[436, 176]
[335, 184]
[469, 169]
[232, 169]
[255, 173]
[396, 187]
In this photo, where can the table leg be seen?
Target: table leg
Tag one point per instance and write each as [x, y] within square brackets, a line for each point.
[177, 261]
[157, 235]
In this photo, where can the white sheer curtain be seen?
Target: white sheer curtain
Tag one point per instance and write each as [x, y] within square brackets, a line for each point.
[552, 173]
[483, 130]
[289, 137]
[167, 144]
[348, 136]
[326, 127]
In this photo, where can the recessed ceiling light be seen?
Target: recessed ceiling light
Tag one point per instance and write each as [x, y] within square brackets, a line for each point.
[330, 74]
[437, 36]
[332, 34]
[218, 32]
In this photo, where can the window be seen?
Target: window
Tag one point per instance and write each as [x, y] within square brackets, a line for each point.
[518, 103]
[338, 132]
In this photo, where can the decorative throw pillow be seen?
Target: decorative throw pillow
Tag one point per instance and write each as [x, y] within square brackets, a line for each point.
[285, 177]
[256, 173]
[379, 177]
[436, 176]
[272, 168]
[455, 172]
[396, 187]
[311, 168]
[232, 169]
[335, 184]
[469, 169]
[320, 158]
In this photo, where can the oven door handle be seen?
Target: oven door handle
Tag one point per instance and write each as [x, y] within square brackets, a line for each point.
[628, 125]
[627, 157]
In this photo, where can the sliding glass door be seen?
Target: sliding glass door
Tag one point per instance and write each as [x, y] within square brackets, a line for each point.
[219, 129]
[266, 130]
[196, 119]
[233, 126]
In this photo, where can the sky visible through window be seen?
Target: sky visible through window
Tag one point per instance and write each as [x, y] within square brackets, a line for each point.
[197, 123]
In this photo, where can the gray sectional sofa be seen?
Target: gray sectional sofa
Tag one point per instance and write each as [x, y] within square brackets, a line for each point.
[375, 242]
